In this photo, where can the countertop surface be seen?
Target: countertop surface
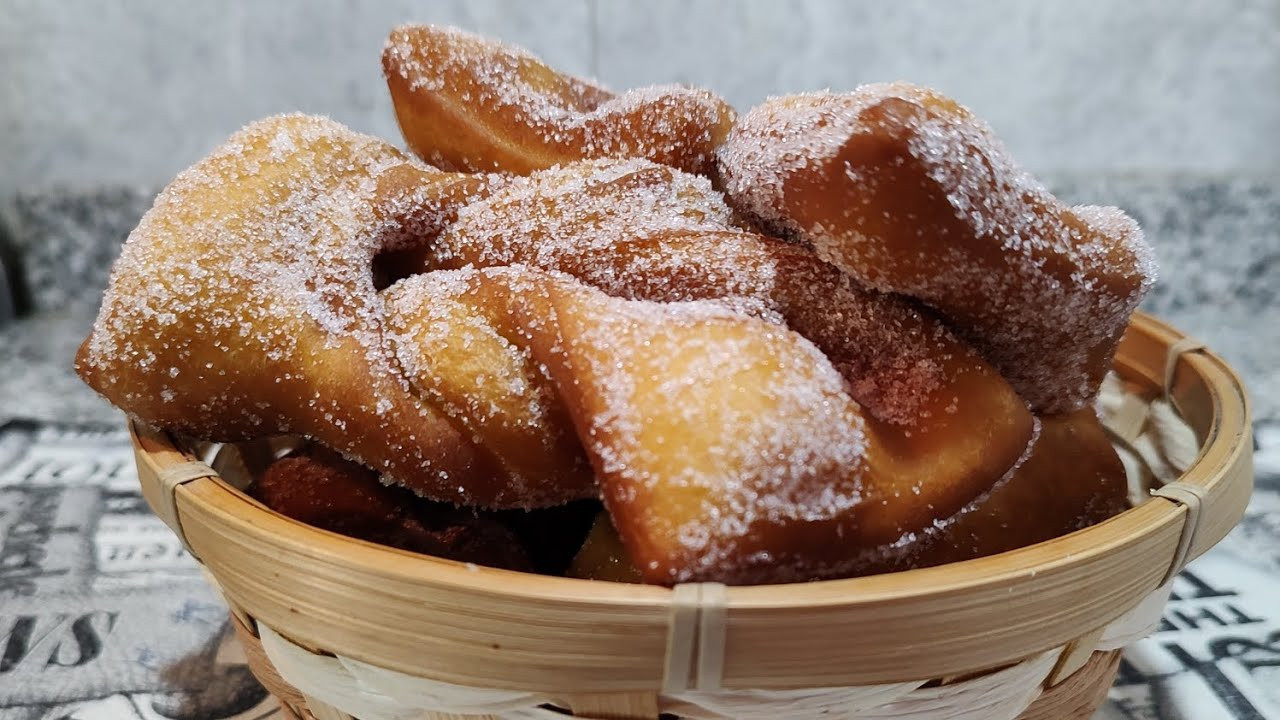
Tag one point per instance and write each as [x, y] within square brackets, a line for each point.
[1218, 243]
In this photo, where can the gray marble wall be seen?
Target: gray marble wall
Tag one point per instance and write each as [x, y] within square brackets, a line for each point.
[100, 91]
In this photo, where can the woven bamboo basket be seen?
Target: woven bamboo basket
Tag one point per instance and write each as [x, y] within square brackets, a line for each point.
[339, 628]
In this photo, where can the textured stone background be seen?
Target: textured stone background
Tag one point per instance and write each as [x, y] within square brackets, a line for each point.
[105, 91]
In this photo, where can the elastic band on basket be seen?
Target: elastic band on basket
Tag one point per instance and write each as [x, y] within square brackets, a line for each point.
[711, 635]
[170, 478]
[1176, 351]
[695, 638]
[1191, 497]
[682, 631]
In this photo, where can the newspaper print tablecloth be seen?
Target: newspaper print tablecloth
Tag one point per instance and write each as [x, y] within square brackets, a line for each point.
[103, 616]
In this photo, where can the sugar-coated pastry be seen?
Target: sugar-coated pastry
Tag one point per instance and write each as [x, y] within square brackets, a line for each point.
[321, 488]
[1071, 479]
[909, 193]
[243, 304]
[602, 556]
[725, 445]
[465, 102]
[639, 230]
[463, 350]
[728, 450]
[643, 231]
[561, 348]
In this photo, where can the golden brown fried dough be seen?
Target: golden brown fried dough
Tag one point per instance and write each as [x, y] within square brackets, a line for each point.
[460, 345]
[910, 193]
[321, 488]
[940, 410]
[749, 409]
[1071, 479]
[243, 304]
[465, 102]
[710, 433]
[643, 231]
[602, 556]
[726, 446]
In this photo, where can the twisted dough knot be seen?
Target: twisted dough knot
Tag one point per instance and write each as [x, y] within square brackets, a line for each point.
[465, 102]
[897, 186]
[939, 427]
[748, 410]
[908, 192]
[242, 305]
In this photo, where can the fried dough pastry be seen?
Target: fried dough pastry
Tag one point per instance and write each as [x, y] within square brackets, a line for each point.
[1071, 479]
[725, 445]
[321, 488]
[644, 231]
[594, 334]
[465, 102]
[909, 193]
[243, 304]
[464, 352]
[602, 556]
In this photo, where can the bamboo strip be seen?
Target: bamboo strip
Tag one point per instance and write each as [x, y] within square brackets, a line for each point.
[1074, 656]
[615, 706]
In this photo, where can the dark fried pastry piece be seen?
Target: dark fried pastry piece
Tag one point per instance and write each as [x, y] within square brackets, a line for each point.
[602, 556]
[909, 193]
[465, 102]
[1072, 479]
[320, 488]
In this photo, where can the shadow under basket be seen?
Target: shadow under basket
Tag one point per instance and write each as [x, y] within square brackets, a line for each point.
[339, 628]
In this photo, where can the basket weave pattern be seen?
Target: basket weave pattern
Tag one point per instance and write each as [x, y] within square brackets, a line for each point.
[337, 628]
[1024, 690]
[1075, 697]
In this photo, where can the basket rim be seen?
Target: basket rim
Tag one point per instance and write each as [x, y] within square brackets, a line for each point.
[212, 510]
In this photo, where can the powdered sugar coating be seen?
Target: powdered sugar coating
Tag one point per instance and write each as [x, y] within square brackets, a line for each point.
[243, 303]
[712, 432]
[589, 206]
[471, 103]
[909, 193]
[639, 230]
[728, 450]
[458, 338]
[636, 230]
[775, 140]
